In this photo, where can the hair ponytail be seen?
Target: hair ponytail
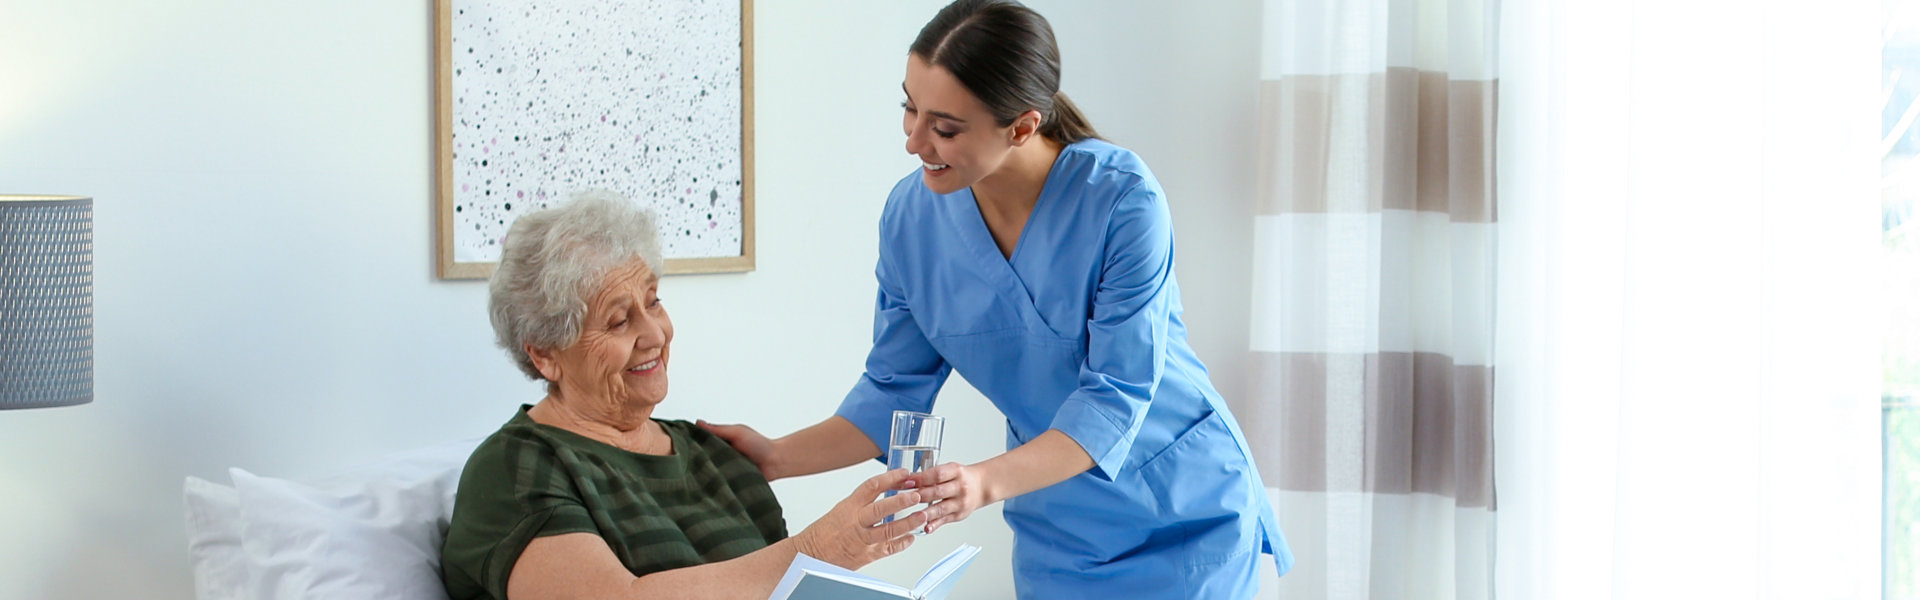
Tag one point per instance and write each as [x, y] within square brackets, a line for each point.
[1004, 53]
[1066, 125]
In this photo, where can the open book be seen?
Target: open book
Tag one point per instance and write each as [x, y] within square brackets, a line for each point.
[809, 578]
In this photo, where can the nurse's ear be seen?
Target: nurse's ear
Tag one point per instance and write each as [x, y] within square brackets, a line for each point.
[1024, 128]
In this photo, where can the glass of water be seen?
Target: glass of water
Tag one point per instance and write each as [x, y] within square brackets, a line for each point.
[915, 444]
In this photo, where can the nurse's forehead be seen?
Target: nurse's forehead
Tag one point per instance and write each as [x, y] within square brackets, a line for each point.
[938, 92]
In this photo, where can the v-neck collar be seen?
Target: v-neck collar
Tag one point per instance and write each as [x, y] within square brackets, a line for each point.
[1019, 245]
[999, 268]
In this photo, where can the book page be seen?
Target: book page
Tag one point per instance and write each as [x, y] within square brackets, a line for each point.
[940, 579]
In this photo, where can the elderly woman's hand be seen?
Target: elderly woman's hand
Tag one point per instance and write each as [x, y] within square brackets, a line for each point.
[847, 535]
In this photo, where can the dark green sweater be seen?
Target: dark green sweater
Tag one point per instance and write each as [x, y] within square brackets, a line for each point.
[704, 503]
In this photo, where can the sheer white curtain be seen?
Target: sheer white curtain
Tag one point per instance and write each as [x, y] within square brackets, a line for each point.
[1680, 301]
[1370, 400]
[1689, 366]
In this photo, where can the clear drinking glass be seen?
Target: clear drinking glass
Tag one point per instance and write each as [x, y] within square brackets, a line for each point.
[915, 444]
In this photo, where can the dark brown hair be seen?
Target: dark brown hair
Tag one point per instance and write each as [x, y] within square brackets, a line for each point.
[1004, 54]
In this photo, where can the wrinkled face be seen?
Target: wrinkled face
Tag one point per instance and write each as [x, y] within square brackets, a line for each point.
[621, 357]
[952, 132]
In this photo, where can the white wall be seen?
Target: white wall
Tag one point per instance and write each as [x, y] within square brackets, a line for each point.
[264, 292]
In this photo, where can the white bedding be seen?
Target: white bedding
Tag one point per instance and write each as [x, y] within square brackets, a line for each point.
[373, 531]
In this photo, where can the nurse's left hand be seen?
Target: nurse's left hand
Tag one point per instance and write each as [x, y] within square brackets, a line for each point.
[955, 491]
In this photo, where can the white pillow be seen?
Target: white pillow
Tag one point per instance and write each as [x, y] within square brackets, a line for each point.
[213, 541]
[371, 532]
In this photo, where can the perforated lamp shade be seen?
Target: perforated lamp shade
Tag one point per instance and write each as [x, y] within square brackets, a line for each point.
[46, 301]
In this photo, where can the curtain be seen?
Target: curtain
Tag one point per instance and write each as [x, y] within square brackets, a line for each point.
[1370, 402]
[1687, 304]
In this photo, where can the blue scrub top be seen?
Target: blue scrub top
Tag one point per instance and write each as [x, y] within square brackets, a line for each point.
[1079, 331]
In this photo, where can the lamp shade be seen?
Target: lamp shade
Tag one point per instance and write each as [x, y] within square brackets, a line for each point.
[46, 301]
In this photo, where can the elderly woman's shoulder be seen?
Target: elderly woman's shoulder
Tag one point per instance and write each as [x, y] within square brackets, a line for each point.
[704, 440]
[691, 431]
[515, 442]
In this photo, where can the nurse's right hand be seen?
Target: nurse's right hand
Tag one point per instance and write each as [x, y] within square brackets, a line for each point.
[848, 535]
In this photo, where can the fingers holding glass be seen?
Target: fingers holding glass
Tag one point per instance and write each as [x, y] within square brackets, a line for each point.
[915, 443]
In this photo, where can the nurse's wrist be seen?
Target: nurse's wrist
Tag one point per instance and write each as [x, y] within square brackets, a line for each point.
[772, 466]
[993, 484]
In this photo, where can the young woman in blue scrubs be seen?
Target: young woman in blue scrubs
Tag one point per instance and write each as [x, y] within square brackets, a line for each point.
[1037, 260]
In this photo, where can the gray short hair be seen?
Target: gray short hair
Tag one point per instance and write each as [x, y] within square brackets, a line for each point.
[553, 261]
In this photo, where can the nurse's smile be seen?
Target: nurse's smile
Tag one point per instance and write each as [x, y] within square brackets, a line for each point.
[956, 137]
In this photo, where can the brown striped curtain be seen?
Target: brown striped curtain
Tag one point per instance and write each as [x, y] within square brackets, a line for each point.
[1370, 405]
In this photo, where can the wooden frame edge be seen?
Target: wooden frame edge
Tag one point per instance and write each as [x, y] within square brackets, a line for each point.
[445, 267]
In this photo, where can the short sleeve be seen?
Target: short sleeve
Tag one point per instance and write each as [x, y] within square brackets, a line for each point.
[511, 492]
[552, 521]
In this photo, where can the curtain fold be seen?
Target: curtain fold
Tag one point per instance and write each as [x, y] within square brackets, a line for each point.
[1370, 404]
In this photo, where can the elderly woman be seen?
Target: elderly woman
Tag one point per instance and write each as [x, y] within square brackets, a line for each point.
[583, 494]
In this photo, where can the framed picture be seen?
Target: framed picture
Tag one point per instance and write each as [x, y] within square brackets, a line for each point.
[649, 98]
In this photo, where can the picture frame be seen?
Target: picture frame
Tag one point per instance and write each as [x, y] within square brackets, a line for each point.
[640, 90]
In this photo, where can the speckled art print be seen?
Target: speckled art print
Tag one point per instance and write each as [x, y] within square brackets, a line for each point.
[644, 97]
